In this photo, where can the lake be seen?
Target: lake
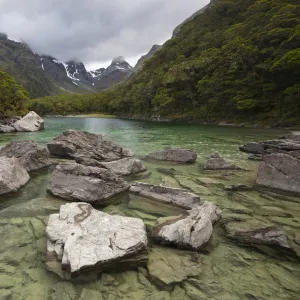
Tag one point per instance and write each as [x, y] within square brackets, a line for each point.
[223, 270]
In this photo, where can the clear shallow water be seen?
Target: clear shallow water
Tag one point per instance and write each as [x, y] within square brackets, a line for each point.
[223, 271]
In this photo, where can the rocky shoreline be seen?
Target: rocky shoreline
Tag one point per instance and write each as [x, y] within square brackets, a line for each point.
[191, 120]
[29, 123]
[107, 222]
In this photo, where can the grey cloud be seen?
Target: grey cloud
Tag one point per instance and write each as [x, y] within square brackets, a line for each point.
[94, 30]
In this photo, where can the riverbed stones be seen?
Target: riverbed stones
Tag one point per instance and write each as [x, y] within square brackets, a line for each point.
[85, 146]
[30, 155]
[173, 266]
[191, 231]
[173, 196]
[31, 122]
[216, 162]
[75, 182]
[32, 208]
[84, 239]
[178, 155]
[280, 171]
[12, 175]
[249, 233]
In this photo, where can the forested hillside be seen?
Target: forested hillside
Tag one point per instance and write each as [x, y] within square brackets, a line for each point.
[13, 98]
[237, 61]
[19, 61]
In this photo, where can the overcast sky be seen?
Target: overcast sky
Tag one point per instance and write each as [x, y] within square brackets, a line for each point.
[94, 31]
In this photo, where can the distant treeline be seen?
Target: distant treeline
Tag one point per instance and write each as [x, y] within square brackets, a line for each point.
[237, 61]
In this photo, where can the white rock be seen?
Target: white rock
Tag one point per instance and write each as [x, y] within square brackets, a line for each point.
[190, 232]
[84, 239]
[31, 122]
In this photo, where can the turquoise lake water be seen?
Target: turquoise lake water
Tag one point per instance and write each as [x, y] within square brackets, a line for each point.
[223, 270]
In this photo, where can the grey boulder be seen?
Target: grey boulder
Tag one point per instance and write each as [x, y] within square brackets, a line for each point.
[12, 175]
[31, 122]
[272, 146]
[253, 147]
[125, 166]
[31, 156]
[85, 239]
[280, 171]
[175, 155]
[173, 196]
[86, 147]
[216, 162]
[189, 232]
[75, 182]
[6, 129]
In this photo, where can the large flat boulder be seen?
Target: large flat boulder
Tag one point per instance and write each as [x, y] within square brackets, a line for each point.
[192, 231]
[31, 122]
[84, 239]
[87, 148]
[31, 156]
[280, 171]
[12, 175]
[75, 182]
[125, 166]
[173, 196]
[216, 162]
[185, 156]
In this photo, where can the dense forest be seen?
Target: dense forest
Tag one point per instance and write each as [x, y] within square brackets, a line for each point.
[14, 99]
[237, 61]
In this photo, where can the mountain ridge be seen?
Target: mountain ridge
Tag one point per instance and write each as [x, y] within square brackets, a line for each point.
[44, 75]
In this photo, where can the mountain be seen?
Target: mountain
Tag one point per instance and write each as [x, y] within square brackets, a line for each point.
[118, 70]
[145, 57]
[234, 60]
[44, 75]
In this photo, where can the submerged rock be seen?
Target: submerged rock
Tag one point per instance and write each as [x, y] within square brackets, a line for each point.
[31, 122]
[75, 182]
[30, 155]
[216, 162]
[178, 197]
[12, 175]
[258, 235]
[32, 208]
[172, 266]
[176, 155]
[85, 239]
[124, 166]
[280, 171]
[86, 147]
[192, 231]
